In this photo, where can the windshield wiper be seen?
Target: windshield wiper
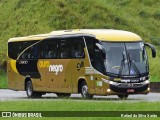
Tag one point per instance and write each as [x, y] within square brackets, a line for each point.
[134, 65]
[130, 63]
[122, 64]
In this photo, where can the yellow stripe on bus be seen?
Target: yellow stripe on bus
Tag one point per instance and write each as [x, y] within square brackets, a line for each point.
[13, 65]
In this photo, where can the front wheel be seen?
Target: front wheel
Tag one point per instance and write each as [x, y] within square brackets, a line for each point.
[123, 96]
[29, 91]
[84, 91]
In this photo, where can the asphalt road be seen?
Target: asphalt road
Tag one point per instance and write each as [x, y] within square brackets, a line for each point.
[9, 95]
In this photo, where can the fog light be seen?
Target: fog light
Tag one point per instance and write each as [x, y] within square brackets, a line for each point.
[108, 90]
[148, 89]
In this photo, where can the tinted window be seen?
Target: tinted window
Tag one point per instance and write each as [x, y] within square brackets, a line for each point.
[95, 54]
[15, 48]
[32, 52]
[72, 48]
[66, 48]
[50, 49]
[77, 48]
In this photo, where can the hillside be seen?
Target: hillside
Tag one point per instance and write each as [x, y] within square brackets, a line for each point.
[28, 17]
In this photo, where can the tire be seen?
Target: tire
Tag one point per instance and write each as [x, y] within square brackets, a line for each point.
[84, 91]
[29, 91]
[123, 96]
[63, 95]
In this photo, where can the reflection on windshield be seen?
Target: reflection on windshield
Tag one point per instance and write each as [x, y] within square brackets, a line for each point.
[125, 58]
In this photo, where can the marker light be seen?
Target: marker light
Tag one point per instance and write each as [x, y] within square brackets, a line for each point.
[148, 89]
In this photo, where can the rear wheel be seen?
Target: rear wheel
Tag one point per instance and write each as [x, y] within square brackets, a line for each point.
[29, 91]
[84, 91]
[61, 95]
[123, 96]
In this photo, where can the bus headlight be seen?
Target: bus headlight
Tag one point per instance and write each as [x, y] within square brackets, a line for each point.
[108, 90]
[146, 82]
[113, 83]
[109, 82]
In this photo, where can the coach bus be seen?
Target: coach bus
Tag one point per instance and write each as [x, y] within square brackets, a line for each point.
[86, 61]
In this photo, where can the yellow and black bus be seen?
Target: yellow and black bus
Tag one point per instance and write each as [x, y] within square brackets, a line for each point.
[86, 61]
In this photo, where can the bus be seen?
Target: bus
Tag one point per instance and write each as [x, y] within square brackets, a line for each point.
[87, 61]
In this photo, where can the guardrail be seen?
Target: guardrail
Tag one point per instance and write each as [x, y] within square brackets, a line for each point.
[155, 86]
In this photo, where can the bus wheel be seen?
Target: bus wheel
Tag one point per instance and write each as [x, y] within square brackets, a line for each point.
[61, 95]
[30, 92]
[123, 96]
[84, 91]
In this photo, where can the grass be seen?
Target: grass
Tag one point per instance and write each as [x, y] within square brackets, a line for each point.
[3, 80]
[76, 105]
[154, 79]
[22, 18]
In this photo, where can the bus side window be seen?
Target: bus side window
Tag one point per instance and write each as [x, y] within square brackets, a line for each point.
[77, 49]
[40, 50]
[31, 52]
[64, 49]
[50, 50]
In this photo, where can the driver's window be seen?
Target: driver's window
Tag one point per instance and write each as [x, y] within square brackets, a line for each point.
[95, 54]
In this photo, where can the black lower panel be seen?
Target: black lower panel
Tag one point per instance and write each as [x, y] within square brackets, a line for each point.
[121, 89]
[28, 67]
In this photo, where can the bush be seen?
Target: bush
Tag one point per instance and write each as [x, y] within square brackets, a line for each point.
[157, 15]
[3, 66]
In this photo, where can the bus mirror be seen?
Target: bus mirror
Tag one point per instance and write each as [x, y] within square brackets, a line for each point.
[152, 48]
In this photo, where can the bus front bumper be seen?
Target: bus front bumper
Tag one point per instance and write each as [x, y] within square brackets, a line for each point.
[130, 88]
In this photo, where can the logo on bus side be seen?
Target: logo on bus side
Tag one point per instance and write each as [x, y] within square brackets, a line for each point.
[80, 65]
[44, 64]
[56, 68]
[52, 68]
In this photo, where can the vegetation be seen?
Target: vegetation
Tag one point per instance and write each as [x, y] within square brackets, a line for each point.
[79, 105]
[75, 105]
[28, 17]
[3, 80]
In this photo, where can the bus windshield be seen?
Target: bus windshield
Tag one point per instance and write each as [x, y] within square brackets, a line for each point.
[125, 59]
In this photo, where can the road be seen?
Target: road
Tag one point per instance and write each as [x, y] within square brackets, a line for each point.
[9, 95]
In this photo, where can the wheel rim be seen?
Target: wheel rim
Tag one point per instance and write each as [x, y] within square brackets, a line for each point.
[29, 89]
[84, 90]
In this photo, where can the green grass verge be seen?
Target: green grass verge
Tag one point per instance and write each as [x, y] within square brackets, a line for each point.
[79, 105]
[154, 79]
[23, 18]
[3, 80]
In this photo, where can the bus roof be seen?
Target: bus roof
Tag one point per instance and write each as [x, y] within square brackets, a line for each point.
[100, 34]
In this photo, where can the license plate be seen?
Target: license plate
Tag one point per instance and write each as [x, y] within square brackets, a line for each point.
[130, 90]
